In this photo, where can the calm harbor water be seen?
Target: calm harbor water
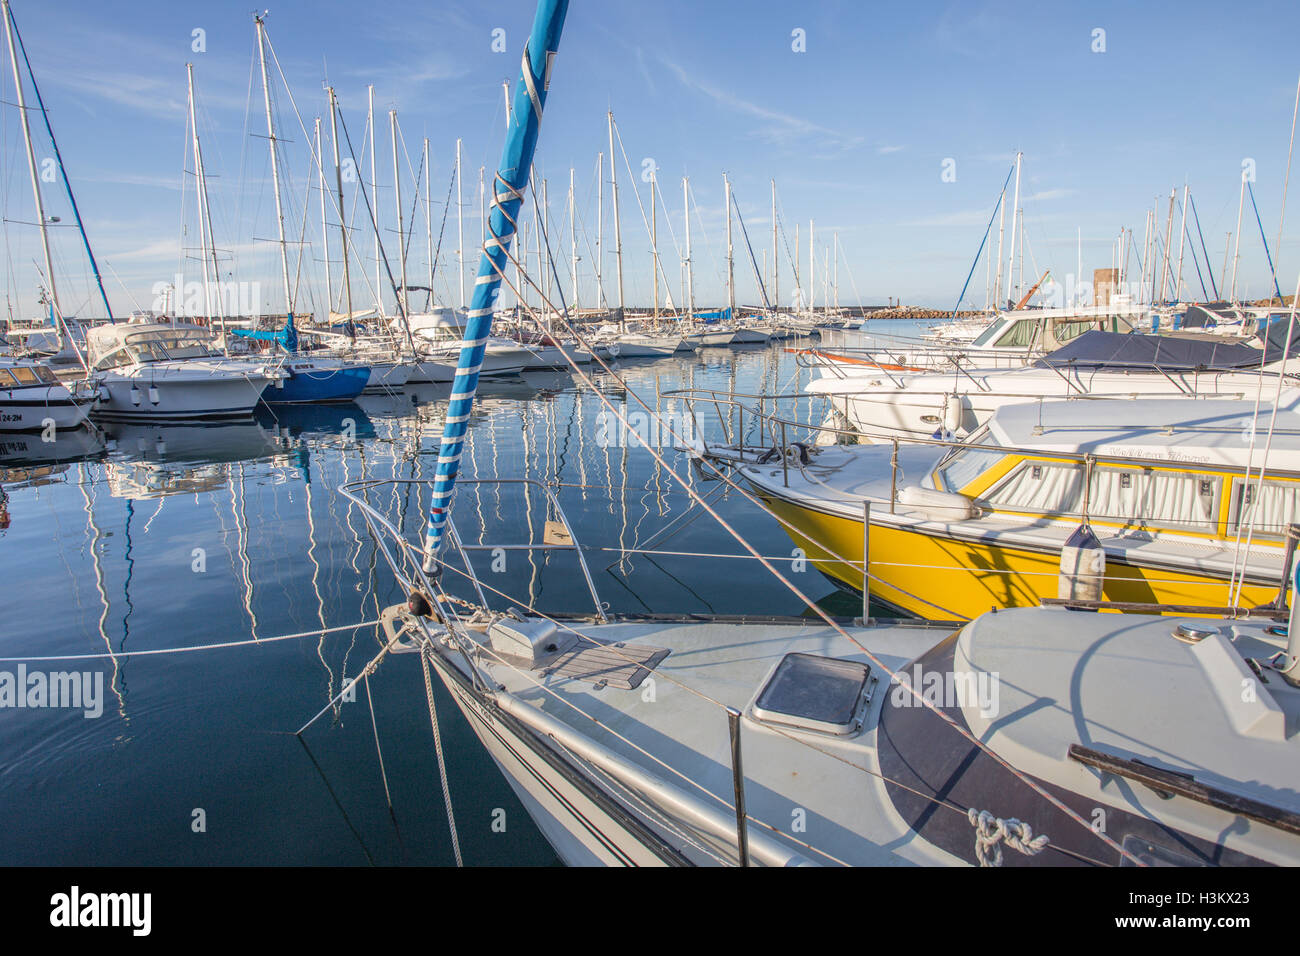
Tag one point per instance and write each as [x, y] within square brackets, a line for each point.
[160, 537]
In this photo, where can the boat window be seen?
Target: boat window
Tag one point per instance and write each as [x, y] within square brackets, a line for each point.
[1269, 509]
[1177, 500]
[1065, 331]
[1120, 495]
[965, 464]
[989, 334]
[6, 379]
[25, 375]
[119, 356]
[46, 376]
[1042, 487]
[1019, 336]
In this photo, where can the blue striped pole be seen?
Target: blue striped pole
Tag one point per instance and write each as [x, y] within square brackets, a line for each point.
[507, 196]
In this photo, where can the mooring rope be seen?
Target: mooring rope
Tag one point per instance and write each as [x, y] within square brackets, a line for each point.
[199, 647]
[442, 762]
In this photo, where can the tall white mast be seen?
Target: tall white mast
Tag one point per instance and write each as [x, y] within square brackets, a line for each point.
[343, 225]
[1169, 235]
[460, 231]
[690, 267]
[618, 229]
[835, 282]
[812, 268]
[826, 278]
[31, 165]
[1182, 241]
[798, 257]
[731, 270]
[1236, 248]
[428, 212]
[1015, 220]
[776, 262]
[324, 223]
[1002, 224]
[401, 224]
[573, 242]
[275, 164]
[198, 189]
[600, 228]
[544, 251]
[374, 204]
[654, 240]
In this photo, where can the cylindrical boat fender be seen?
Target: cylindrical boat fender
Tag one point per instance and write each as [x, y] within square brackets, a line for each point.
[135, 396]
[1083, 567]
[952, 413]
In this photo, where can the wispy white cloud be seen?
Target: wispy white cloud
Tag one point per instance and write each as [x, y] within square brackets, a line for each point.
[1047, 194]
[778, 127]
[886, 150]
[965, 217]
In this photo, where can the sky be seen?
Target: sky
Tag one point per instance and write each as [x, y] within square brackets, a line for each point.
[890, 128]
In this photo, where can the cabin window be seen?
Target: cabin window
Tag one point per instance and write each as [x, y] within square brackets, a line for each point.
[1041, 487]
[1065, 331]
[1120, 495]
[989, 334]
[966, 464]
[25, 375]
[1019, 336]
[6, 379]
[1272, 507]
[46, 376]
[1175, 500]
[114, 359]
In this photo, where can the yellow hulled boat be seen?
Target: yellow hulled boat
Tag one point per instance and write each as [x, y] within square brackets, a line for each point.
[1171, 489]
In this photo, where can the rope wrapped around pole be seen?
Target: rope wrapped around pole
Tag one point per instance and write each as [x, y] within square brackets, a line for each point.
[508, 187]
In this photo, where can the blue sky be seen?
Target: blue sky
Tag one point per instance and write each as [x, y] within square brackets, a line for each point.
[855, 130]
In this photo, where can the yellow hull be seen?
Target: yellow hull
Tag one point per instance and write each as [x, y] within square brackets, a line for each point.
[937, 577]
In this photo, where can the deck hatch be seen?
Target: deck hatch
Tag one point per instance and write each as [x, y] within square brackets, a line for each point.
[823, 694]
[623, 666]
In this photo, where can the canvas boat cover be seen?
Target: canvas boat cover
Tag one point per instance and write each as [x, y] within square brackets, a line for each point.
[1120, 350]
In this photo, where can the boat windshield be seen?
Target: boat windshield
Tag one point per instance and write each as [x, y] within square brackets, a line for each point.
[963, 465]
[22, 375]
[172, 344]
[989, 334]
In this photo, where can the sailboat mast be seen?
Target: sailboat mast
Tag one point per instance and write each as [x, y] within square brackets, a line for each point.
[1169, 235]
[618, 229]
[1015, 225]
[654, 240]
[343, 226]
[731, 266]
[573, 242]
[812, 268]
[1236, 248]
[428, 212]
[460, 231]
[275, 166]
[374, 193]
[1001, 232]
[508, 189]
[31, 164]
[401, 223]
[835, 281]
[1182, 240]
[601, 303]
[690, 265]
[324, 223]
[776, 262]
[201, 202]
